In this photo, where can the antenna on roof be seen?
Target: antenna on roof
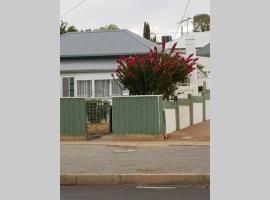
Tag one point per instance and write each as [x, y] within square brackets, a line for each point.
[182, 21]
[182, 31]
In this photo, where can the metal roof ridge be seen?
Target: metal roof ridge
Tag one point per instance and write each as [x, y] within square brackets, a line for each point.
[128, 32]
[96, 31]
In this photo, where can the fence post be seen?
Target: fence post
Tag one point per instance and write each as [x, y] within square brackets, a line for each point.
[177, 103]
[204, 104]
[190, 109]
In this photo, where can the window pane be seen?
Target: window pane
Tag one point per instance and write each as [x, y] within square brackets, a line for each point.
[71, 89]
[65, 87]
[84, 88]
[102, 88]
[116, 89]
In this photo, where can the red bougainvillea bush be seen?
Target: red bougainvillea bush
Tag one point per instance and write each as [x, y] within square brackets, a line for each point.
[156, 72]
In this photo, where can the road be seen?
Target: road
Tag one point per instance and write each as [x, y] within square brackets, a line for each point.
[106, 159]
[180, 192]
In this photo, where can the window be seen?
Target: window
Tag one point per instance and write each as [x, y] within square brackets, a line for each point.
[102, 88]
[84, 88]
[183, 51]
[116, 89]
[68, 87]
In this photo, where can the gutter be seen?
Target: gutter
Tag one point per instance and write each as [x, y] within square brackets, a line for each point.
[86, 71]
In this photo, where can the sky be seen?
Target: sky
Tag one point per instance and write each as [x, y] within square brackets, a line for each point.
[162, 15]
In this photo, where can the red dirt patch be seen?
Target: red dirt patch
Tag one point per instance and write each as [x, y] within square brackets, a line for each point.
[198, 132]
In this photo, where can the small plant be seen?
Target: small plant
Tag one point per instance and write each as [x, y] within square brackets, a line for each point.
[155, 73]
[97, 110]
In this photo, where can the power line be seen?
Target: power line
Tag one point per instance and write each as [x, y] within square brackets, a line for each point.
[182, 18]
[76, 6]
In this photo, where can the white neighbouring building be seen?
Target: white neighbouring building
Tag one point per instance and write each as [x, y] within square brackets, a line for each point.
[87, 60]
[197, 43]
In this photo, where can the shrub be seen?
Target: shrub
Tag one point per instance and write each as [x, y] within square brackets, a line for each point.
[97, 110]
[155, 73]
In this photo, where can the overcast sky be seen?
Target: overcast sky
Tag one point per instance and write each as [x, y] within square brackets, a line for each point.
[162, 15]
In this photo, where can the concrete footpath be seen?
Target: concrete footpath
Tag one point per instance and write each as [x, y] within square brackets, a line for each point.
[140, 163]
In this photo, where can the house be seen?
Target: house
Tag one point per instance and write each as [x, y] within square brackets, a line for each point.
[87, 60]
[202, 45]
[201, 39]
[204, 57]
[202, 51]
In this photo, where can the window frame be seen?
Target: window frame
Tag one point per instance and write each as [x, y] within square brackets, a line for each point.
[69, 87]
[91, 86]
[114, 95]
[109, 89]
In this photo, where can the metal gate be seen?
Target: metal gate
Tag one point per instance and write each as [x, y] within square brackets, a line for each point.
[98, 118]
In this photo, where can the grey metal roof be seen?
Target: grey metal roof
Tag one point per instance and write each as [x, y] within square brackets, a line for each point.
[204, 51]
[88, 65]
[103, 43]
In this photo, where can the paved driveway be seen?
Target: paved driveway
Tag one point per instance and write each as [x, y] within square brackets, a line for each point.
[197, 132]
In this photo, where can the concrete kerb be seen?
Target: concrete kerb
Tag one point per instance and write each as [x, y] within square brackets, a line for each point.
[134, 179]
[138, 144]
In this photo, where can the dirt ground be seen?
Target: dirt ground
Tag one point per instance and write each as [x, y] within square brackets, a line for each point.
[198, 132]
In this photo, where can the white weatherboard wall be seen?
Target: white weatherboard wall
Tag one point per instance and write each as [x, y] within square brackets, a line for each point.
[197, 113]
[207, 109]
[170, 120]
[184, 116]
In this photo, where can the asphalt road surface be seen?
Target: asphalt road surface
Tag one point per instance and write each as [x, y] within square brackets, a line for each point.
[104, 159]
[180, 192]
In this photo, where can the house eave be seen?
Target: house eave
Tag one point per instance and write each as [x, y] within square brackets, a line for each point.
[86, 71]
[83, 56]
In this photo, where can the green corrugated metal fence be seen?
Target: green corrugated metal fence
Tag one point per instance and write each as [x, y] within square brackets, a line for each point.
[137, 114]
[72, 116]
[144, 114]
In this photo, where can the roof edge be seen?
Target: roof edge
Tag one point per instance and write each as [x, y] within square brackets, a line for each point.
[101, 55]
[85, 71]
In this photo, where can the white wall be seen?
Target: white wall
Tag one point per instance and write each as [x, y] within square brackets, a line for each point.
[170, 120]
[197, 113]
[205, 62]
[184, 116]
[184, 90]
[207, 109]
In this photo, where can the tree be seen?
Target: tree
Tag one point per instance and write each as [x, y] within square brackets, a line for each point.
[146, 30]
[64, 28]
[155, 73]
[108, 27]
[201, 23]
[154, 39]
[88, 29]
[72, 29]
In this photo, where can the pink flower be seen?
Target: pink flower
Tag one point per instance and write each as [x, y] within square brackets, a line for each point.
[173, 47]
[190, 56]
[170, 65]
[163, 44]
[142, 61]
[194, 60]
